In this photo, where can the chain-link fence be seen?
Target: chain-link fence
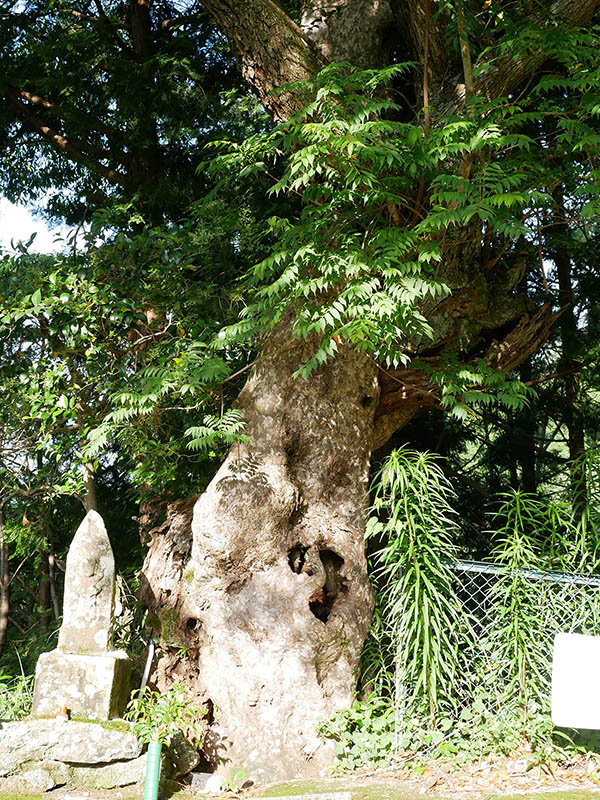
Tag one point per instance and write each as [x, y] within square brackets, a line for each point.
[504, 648]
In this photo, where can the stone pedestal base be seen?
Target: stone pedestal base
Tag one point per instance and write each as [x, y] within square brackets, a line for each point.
[39, 755]
[91, 687]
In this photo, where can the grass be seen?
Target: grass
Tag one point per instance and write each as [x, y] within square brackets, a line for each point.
[386, 791]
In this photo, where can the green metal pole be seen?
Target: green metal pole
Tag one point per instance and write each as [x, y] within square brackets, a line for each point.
[152, 771]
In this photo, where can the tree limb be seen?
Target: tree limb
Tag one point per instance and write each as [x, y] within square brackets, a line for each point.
[465, 52]
[65, 113]
[508, 73]
[270, 48]
[61, 143]
[406, 391]
[103, 20]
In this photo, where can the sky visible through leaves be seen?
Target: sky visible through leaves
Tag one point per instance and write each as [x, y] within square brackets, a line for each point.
[17, 223]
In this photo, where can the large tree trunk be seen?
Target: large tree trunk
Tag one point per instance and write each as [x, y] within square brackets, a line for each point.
[277, 588]
[263, 600]
[272, 601]
[4, 584]
[280, 575]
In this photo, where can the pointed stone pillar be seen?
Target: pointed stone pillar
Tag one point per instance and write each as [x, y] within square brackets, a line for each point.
[84, 673]
[89, 590]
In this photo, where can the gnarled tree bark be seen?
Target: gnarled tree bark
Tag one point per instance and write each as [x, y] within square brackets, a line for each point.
[279, 573]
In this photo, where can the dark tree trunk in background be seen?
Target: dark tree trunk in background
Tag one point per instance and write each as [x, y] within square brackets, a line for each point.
[89, 499]
[44, 592]
[144, 162]
[268, 588]
[526, 436]
[570, 363]
[52, 583]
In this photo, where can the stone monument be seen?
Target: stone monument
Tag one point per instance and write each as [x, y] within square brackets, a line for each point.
[93, 750]
[84, 674]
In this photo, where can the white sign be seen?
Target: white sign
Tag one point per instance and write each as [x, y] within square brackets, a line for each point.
[576, 681]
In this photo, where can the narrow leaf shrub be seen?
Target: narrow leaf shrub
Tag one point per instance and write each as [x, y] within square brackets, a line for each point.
[414, 527]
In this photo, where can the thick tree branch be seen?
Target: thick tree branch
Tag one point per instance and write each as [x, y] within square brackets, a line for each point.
[524, 340]
[508, 73]
[72, 148]
[102, 20]
[82, 16]
[350, 30]
[404, 392]
[271, 49]
[33, 98]
[423, 31]
[74, 115]
[184, 19]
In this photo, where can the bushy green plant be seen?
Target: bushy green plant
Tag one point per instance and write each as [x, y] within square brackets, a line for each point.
[514, 607]
[159, 716]
[419, 619]
[16, 695]
[364, 733]
[468, 675]
[482, 729]
[532, 535]
[378, 659]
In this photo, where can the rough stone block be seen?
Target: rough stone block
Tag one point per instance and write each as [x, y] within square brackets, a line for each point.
[207, 782]
[91, 687]
[37, 779]
[72, 742]
[110, 776]
[38, 755]
[182, 756]
[130, 774]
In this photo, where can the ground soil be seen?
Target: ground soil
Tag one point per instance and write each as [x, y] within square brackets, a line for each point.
[507, 779]
[477, 783]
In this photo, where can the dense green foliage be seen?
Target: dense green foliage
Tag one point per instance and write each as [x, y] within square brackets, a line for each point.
[359, 261]
[137, 99]
[352, 256]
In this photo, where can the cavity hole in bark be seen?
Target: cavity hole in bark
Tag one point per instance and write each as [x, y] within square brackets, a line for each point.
[297, 557]
[204, 764]
[208, 757]
[366, 401]
[322, 601]
[296, 516]
[191, 624]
